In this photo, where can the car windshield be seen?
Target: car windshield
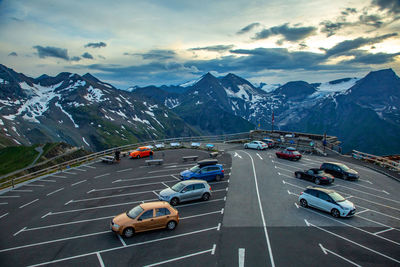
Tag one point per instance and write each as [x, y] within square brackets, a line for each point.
[133, 213]
[195, 168]
[344, 167]
[336, 197]
[296, 153]
[320, 172]
[137, 149]
[178, 187]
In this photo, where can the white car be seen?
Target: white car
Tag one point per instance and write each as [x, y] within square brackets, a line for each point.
[327, 200]
[256, 145]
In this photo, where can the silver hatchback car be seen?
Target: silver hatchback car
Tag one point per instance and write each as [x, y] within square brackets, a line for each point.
[186, 191]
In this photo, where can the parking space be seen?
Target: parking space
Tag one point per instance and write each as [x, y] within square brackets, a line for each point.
[371, 237]
[253, 216]
[64, 219]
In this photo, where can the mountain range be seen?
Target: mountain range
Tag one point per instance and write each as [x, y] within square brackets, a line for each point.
[84, 111]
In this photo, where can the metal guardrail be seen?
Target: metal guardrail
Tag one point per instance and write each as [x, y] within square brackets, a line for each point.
[378, 160]
[75, 162]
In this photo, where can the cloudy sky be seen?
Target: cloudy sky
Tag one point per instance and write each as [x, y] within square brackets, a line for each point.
[130, 42]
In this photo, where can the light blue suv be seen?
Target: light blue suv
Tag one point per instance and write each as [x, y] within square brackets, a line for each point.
[327, 200]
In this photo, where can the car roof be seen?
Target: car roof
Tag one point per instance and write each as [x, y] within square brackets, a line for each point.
[336, 163]
[144, 147]
[187, 182]
[328, 191]
[291, 148]
[206, 162]
[154, 205]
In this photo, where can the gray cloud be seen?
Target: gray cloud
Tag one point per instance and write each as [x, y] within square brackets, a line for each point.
[50, 51]
[348, 45]
[392, 6]
[87, 55]
[13, 54]
[363, 57]
[371, 20]
[289, 33]
[214, 48]
[248, 28]
[349, 11]
[330, 28]
[96, 45]
[75, 59]
[155, 54]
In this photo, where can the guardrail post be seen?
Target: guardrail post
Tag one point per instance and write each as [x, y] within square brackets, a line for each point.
[12, 182]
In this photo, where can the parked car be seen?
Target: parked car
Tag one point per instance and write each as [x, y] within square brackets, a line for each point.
[256, 145]
[141, 152]
[186, 191]
[289, 153]
[270, 143]
[208, 170]
[340, 170]
[327, 200]
[145, 217]
[316, 176]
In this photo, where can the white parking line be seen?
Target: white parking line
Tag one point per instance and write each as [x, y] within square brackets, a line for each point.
[68, 223]
[122, 240]
[175, 177]
[81, 170]
[3, 203]
[259, 156]
[199, 203]
[352, 226]
[200, 215]
[353, 242]
[22, 191]
[117, 248]
[98, 207]
[9, 196]
[359, 212]
[180, 258]
[98, 176]
[384, 231]
[156, 193]
[126, 186]
[141, 178]
[100, 259]
[325, 251]
[49, 181]
[88, 166]
[213, 249]
[165, 185]
[276, 167]
[368, 187]
[68, 172]
[4, 215]
[287, 165]
[58, 190]
[125, 170]
[363, 192]
[33, 201]
[261, 211]
[111, 196]
[241, 253]
[167, 170]
[78, 182]
[23, 229]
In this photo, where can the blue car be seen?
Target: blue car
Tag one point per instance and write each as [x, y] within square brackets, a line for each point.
[208, 170]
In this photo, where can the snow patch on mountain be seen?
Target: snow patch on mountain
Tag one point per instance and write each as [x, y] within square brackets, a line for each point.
[94, 95]
[68, 115]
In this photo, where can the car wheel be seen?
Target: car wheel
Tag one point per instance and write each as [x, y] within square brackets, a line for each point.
[345, 177]
[258, 148]
[217, 178]
[174, 201]
[138, 156]
[298, 175]
[246, 147]
[317, 181]
[303, 203]
[171, 225]
[205, 197]
[335, 213]
[128, 232]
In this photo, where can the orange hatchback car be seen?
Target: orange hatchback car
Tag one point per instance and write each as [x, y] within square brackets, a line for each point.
[146, 217]
[141, 152]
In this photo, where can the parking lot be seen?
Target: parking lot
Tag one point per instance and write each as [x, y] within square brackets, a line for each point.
[253, 217]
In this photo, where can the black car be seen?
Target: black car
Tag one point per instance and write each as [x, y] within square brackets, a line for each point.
[316, 176]
[340, 170]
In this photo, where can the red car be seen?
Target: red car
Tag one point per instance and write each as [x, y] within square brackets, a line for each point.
[141, 152]
[289, 153]
[270, 143]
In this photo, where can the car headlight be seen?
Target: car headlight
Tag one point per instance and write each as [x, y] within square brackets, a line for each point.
[116, 226]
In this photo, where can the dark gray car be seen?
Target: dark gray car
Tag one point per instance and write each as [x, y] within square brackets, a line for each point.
[186, 191]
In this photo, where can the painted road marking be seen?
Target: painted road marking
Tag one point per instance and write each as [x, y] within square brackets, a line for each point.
[34, 185]
[125, 170]
[23, 229]
[259, 156]
[180, 258]
[242, 253]
[49, 181]
[9, 196]
[78, 182]
[337, 255]
[73, 173]
[141, 178]
[261, 211]
[100, 259]
[33, 201]
[122, 240]
[126, 186]
[237, 155]
[49, 194]
[98, 176]
[22, 191]
[58, 176]
[4, 215]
